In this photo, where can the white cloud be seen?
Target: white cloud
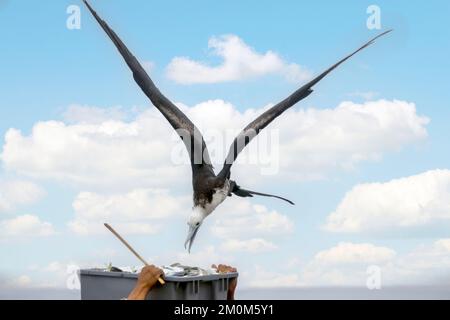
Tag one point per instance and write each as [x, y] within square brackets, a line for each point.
[240, 61]
[27, 282]
[241, 219]
[413, 201]
[424, 265]
[130, 212]
[322, 139]
[347, 252]
[347, 264]
[53, 275]
[146, 152]
[204, 258]
[134, 205]
[260, 277]
[22, 281]
[114, 154]
[18, 192]
[246, 227]
[25, 226]
[255, 245]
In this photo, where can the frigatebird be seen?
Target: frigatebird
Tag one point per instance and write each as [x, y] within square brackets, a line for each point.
[211, 189]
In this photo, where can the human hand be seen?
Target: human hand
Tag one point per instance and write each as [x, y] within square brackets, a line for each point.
[222, 268]
[149, 276]
[147, 279]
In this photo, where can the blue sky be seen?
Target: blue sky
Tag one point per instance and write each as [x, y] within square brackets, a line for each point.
[46, 68]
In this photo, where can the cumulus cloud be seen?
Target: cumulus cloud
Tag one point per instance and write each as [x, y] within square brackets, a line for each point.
[424, 265]
[261, 277]
[240, 61]
[345, 264]
[347, 252]
[245, 227]
[255, 245]
[22, 281]
[18, 192]
[321, 139]
[53, 275]
[205, 257]
[110, 153]
[130, 212]
[145, 152]
[414, 201]
[25, 226]
[136, 204]
[351, 264]
[243, 220]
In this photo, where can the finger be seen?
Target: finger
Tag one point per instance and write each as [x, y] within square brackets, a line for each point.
[146, 269]
[157, 272]
[155, 269]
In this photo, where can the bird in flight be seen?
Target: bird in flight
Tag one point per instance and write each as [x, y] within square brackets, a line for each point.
[210, 189]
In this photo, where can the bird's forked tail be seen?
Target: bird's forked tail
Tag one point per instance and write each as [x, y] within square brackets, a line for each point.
[237, 190]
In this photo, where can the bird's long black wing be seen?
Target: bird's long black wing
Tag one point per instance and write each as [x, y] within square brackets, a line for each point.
[190, 135]
[246, 135]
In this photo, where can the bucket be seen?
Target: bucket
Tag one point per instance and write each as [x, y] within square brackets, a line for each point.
[97, 284]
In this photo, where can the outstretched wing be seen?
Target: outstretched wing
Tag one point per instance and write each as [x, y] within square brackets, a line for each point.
[190, 135]
[252, 130]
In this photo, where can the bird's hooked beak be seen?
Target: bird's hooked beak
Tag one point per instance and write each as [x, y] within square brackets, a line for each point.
[191, 237]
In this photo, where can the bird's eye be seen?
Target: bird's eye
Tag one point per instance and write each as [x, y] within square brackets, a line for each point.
[197, 224]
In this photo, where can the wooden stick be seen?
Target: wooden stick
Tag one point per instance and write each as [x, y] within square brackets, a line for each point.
[114, 232]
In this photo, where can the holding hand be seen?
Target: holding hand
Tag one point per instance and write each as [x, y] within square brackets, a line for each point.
[147, 279]
[222, 268]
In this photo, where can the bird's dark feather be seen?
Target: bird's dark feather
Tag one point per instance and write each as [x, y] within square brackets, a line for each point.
[253, 129]
[188, 132]
[237, 190]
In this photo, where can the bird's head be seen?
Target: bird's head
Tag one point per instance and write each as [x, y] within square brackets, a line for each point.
[194, 222]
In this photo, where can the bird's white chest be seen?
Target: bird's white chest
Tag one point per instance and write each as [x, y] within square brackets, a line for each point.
[218, 197]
